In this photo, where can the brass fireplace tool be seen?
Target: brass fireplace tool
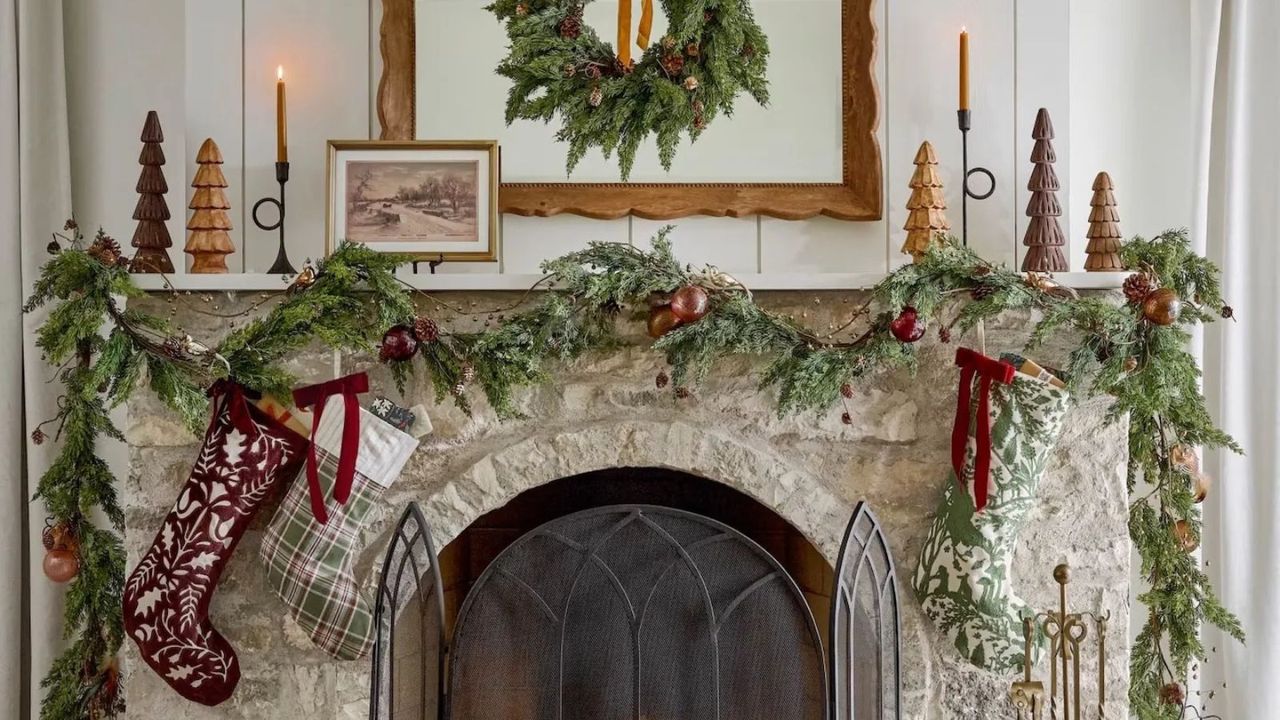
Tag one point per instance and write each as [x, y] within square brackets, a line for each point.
[1066, 633]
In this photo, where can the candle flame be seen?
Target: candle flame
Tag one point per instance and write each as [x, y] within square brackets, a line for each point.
[280, 72]
[964, 29]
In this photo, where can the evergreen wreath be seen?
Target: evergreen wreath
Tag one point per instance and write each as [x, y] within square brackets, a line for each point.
[351, 297]
[713, 50]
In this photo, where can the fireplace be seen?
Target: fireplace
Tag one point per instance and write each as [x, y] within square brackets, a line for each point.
[635, 593]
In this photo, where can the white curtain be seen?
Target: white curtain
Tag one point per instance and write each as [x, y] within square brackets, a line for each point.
[1237, 222]
[35, 198]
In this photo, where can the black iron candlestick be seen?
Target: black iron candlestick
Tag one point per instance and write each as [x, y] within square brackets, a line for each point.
[281, 266]
[966, 192]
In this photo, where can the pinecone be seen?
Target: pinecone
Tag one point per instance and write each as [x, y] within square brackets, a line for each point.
[944, 334]
[691, 83]
[699, 121]
[668, 43]
[1228, 313]
[982, 292]
[683, 393]
[47, 538]
[38, 437]
[522, 9]
[104, 249]
[426, 330]
[692, 50]
[571, 26]
[672, 64]
[846, 391]
[662, 379]
[459, 390]
[570, 70]
[1173, 694]
[468, 373]
[597, 97]
[1138, 286]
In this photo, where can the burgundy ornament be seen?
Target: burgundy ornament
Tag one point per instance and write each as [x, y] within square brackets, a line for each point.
[398, 344]
[690, 303]
[907, 327]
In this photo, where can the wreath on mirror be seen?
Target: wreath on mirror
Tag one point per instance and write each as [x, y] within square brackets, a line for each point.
[559, 67]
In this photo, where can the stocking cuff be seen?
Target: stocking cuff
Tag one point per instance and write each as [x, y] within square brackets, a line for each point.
[384, 450]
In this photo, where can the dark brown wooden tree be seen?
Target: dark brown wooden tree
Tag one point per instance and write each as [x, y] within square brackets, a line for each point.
[1044, 238]
[151, 237]
[927, 205]
[1104, 228]
[209, 243]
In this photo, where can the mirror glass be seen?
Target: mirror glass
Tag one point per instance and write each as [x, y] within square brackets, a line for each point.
[797, 138]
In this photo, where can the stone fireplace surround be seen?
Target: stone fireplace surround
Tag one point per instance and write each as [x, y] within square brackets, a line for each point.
[604, 412]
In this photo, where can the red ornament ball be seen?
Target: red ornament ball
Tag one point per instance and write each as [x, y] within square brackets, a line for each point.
[398, 344]
[690, 303]
[61, 565]
[907, 327]
[662, 320]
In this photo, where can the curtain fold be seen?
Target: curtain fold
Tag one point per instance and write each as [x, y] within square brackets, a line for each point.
[35, 199]
[1237, 216]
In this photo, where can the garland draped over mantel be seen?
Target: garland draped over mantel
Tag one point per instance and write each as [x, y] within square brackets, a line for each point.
[348, 300]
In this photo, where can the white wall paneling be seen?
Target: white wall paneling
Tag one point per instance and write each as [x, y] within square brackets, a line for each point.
[1112, 74]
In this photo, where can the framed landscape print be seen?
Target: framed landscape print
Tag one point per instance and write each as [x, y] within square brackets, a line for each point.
[431, 199]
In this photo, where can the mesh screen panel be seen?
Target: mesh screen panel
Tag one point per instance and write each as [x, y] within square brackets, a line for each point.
[630, 612]
[865, 668]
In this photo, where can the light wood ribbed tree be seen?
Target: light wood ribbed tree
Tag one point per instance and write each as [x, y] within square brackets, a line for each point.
[209, 243]
[927, 205]
[1044, 238]
[1104, 236]
[151, 236]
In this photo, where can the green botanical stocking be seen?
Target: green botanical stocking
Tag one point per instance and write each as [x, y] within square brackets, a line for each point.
[963, 580]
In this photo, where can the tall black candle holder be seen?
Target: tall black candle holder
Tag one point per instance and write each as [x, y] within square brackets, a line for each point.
[281, 266]
[966, 191]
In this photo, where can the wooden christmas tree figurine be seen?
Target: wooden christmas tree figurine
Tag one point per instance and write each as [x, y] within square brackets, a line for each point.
[1044, 238]
[208, 243]
[1104, 228]
[927, 205]
[151, 237]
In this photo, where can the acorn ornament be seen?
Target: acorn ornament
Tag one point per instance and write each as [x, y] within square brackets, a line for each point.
[908, 326]
[690, 303]
[1162, 306]
[398, 344]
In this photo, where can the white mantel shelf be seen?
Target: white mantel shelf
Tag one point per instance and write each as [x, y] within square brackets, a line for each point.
[263, 282]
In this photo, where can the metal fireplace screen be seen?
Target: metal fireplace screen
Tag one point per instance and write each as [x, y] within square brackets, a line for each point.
[635, 612]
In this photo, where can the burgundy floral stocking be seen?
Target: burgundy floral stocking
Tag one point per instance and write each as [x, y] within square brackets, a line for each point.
[166, 601]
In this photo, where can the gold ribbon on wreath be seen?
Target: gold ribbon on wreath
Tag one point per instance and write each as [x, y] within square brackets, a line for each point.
[624, 28]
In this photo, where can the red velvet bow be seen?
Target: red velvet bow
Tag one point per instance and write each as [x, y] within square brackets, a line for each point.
[232, 396]
[316, 396]
[987, 370]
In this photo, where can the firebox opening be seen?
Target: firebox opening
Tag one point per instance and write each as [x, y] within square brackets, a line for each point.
[463, 560]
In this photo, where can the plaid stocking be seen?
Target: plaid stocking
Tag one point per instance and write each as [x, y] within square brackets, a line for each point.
[309, 560]
[166, 599]
[1006, 424]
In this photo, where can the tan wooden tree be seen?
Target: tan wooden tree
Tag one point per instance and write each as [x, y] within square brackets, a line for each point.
[927, 205]
[1104, 236]
[1044, 238]
[208, 242]
[151, 236]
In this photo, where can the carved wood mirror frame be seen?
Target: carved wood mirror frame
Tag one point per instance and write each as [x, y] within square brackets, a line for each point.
[857, 197]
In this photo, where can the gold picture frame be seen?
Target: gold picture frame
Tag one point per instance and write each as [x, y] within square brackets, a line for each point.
[432, 199]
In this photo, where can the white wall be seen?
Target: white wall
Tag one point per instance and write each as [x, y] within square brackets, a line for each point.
[1112, 74]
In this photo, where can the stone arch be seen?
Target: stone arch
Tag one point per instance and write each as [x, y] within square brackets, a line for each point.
[753, 468]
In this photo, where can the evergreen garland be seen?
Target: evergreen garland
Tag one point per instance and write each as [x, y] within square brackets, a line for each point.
[560, 67]
[350, 298]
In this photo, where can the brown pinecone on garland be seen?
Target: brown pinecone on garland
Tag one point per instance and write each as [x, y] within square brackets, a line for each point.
[571, 26]
[748, 51]
[672, 63]
[597, 97]
[1138, 286]
[1173, 694]
[692, 50]
[982, 292]
[426, 330]
[662, 379]
[468, 373]
[105, 250]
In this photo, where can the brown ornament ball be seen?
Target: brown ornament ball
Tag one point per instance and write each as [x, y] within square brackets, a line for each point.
[1162, 307]
[61, 565]
[1200, 487]
[846, 418]
[1185, 536]
[690, 303]
[662, 321]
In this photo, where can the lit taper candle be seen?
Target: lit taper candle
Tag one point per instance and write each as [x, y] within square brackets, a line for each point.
[282, 133]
